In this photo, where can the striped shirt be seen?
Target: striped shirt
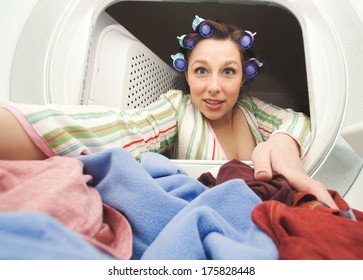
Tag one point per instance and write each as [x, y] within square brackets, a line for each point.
[170, 125]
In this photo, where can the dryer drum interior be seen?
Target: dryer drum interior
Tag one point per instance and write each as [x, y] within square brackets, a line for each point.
[117, 53]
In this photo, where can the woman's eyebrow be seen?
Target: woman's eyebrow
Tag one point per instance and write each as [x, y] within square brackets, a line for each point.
[228, 62]
[201, 61]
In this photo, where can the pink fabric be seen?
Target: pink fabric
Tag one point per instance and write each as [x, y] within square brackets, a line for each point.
[58, 187]
[30, 131]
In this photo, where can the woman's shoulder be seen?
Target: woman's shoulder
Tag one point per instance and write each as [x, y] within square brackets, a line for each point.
[249, 98]
[247, 102]
[252, 102]
[174, 94]
[176, 97]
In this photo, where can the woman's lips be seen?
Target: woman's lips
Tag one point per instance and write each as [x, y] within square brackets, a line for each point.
[213, 104]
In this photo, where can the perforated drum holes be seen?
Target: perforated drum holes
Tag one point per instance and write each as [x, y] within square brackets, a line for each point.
[147, 81]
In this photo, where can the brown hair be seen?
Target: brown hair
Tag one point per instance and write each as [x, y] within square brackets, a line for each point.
[222, 31]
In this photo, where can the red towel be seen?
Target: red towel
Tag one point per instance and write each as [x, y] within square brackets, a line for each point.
[309, 230]
[277, 188]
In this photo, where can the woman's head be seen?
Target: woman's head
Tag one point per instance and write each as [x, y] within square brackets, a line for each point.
[215, 77]
[213, 30]
[221, 31]
[215, 66]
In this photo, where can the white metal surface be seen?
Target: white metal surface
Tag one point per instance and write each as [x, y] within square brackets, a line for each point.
[123, 64]
[353, 134]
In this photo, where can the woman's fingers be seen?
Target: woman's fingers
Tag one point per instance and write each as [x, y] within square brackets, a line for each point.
[279, 154]
[303, 183]
[261, 160]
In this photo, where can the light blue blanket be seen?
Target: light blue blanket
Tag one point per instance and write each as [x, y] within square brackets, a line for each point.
[38, 236]
[172, 215]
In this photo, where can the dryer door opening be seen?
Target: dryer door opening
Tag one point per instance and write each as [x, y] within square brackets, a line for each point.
[61, 63]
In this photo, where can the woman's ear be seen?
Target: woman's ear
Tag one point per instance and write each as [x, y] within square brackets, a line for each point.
[243, 81]
[243, 75]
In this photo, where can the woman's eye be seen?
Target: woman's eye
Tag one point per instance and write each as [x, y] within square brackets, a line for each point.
[228, 71]
[200, 71]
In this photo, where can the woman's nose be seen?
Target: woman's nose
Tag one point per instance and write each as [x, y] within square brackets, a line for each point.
[214, 84]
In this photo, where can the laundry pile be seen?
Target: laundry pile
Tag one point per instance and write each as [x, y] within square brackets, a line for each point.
[109, 205]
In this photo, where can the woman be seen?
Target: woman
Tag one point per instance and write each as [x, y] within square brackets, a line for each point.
[212, 122]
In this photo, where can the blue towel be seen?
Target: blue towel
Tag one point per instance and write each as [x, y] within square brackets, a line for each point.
[172, 215]
[126, 186]
[38, 236]
[215, 225]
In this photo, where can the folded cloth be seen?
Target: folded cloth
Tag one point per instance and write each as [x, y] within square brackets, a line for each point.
[38, 236]
[58, 187]
[215, 225]
[277, 188]
[180, 215]
[310, 230]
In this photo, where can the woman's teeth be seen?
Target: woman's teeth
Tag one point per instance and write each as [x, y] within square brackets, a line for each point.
[213, 102]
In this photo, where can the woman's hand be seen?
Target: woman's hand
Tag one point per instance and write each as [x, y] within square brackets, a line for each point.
[281, 154]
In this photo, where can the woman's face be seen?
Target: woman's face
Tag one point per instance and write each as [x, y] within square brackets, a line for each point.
[215, 77]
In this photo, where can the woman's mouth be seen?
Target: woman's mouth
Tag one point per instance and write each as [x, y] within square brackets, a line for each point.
[213, 104]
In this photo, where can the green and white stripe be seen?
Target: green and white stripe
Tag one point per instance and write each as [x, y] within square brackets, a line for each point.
[170, 122]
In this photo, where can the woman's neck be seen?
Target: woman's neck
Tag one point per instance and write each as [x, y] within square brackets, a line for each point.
[234, 135]
[225, 123]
